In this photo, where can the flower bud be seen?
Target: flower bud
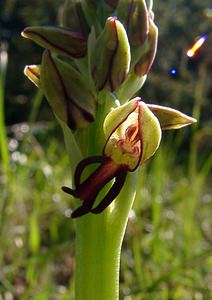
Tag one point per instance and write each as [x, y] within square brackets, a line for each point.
[133, 134]
[148, 51]
[170, 118]
[121, 60]
[33, 73]
[113, 53]
[67, 93]
[74, 18]
[58, 39]
[104, 50]
[134, 15]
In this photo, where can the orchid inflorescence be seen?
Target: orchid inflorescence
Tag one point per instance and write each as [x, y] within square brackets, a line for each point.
[99, 58]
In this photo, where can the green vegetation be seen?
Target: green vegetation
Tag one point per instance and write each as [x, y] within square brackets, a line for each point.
[167, 248]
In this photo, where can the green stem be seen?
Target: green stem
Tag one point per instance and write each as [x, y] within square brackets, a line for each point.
[95, 277]
[98, 247]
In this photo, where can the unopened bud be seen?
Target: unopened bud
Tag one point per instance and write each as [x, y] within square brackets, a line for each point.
[58, 39]
[74, 18]
[33, 73]
[67, 93]
[134, 15]
[148, 51]
[102, 55]
[121, 59]
[113, 53]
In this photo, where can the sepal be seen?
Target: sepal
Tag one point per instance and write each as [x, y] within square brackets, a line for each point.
[170, 118]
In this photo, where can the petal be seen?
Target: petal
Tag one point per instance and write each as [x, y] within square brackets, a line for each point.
[150, 131]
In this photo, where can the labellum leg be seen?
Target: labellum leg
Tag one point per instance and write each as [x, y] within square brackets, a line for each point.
[88, 190]
[113, 192]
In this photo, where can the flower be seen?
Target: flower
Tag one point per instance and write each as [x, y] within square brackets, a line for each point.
[133, 134]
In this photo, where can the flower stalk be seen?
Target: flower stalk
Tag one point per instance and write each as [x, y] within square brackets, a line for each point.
[98, 248]
[91, 69]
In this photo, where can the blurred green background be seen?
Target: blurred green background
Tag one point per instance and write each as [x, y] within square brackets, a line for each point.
[167, 249]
